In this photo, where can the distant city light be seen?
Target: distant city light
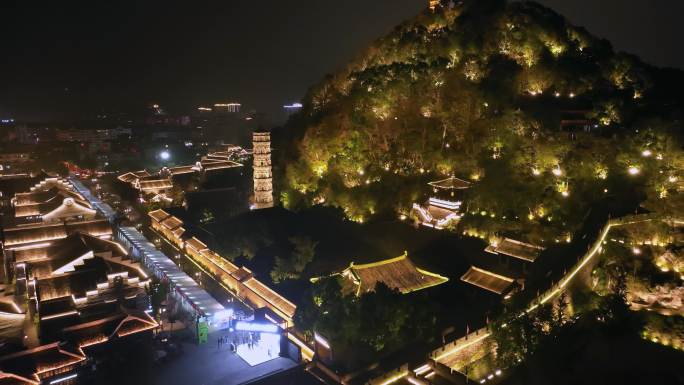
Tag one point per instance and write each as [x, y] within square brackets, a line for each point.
[165, 155]
[204, 108]
[633, 170]
[557, 171]
[229, 107]
[293, 106]
[646, 153]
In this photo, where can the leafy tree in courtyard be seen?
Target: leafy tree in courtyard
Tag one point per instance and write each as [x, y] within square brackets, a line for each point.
[291, 268]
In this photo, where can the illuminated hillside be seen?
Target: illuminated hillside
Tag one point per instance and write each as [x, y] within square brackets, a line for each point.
[544, 118]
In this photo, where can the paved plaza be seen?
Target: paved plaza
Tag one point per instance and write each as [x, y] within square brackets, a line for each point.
[207, 365]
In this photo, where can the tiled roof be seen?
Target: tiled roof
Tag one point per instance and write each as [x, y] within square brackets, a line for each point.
[275, 299]
[398, 273]
[158, 215]
[451, 183]
[516, 249]
[487, 280]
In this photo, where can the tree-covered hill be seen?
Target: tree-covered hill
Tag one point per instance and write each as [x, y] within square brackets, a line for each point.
[544, 117]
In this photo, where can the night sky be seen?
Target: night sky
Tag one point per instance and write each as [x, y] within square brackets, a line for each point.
[63, 59]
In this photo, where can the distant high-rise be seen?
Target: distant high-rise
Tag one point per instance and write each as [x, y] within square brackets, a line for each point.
[227, 107]
[263, 177]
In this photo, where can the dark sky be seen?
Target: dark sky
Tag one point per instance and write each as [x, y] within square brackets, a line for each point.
[65, 57]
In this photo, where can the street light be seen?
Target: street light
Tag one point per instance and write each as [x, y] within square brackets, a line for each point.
[165, 155]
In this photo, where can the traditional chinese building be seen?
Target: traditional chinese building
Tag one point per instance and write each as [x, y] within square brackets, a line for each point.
[51, 200]
[490, 281]
[520, 250]
[398, 273]
[443, 207]
[263, 177]
[157, 186]
[78, 280]
[47, 364]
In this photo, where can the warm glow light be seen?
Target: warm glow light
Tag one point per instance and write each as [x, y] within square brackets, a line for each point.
[58, 315]
[535, 171]
[557, 171]
[646, 153]
[69, 377]
[321, 341]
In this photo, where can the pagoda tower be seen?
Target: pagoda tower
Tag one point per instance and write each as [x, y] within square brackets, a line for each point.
[263, 177]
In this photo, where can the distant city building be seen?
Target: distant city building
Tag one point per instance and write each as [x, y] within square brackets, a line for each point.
[294, 107]
[433, 4]
[227, 107]
[157, 110]
[26, 134]
[79, 135]
[263, 177]
[13, 160]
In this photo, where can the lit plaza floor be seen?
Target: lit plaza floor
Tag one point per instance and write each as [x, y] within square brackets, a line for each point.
[207, 365]
[259, 353]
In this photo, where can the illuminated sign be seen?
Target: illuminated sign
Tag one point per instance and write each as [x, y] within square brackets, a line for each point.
[202, 332]
[255, 327]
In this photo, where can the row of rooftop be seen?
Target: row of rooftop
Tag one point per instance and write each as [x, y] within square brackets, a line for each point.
[82, 289]
[156, 186]
[240, 280]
